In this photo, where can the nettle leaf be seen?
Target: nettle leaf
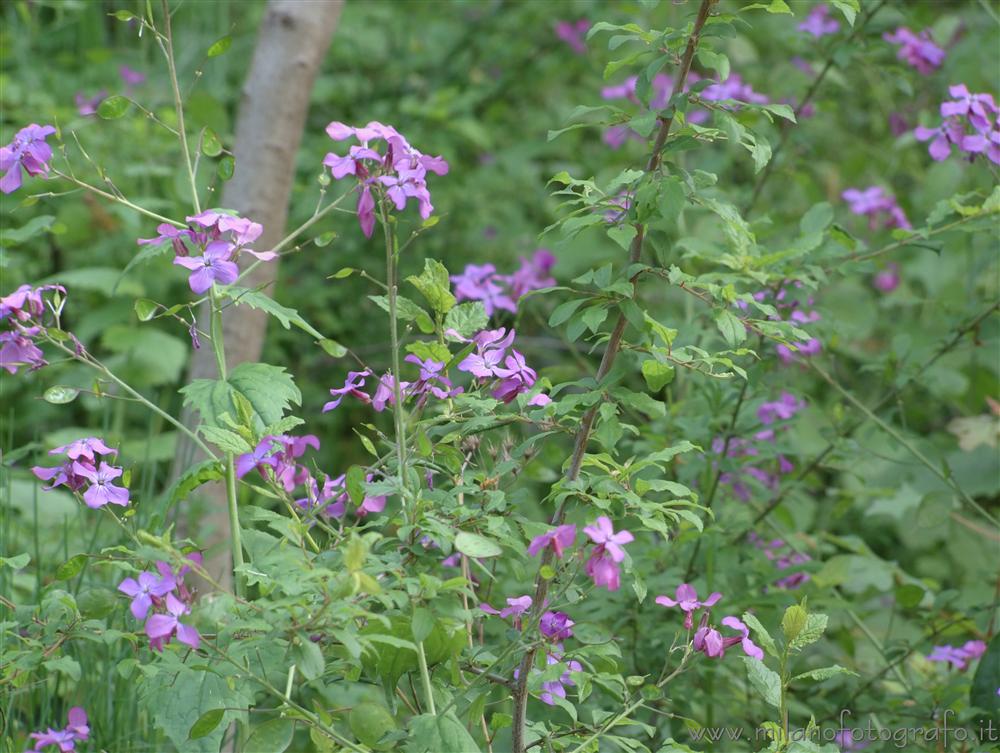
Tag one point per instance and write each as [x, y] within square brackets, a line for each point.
[765, 681]
[442, 733]
[406, 310]
[812, 631]
[255, 299]
[268, 389]
[467, 318]
[434, 285]
[824, 673]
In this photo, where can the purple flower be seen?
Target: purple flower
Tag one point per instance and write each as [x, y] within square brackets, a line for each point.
[76, 730]
[144, 590]
[887, 280]
[88, 448]
[333, 488]
[352, 386]
[516, 606]
[86, 107]
[28, 150]
[574, 34]
[161, 627]
[26, 302]
[478, 282]
[958, 657]
[603, 534]
[556, 626]
[18, 350]
[131, 77]
[847, 740]
[818, 22]
[559, 538]
[61, 475]
[174, 235]
[491, 347]
[262, 455]
[980, 109]
[687, 600]
[876, 204]
[713, 644]
[950, 132]
[779, 410]
[101, 491]
[279, 453]
[733, 88]
[917, 50]
[213, 267]
[533, 273]
[557, 688]
[385, 393]
[515, 377]
[432, 379]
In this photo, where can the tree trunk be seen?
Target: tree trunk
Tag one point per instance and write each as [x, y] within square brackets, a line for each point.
[294, 37]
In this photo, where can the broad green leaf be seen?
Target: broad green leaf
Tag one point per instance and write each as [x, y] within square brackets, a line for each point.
[986, 682]
[60, 395]
[476, 546]
[817, 219]
[210, 144]
[439, 734]
[262, 301]
[30, 229]
[269, 389]
[731, 327]
[657, 375]
[226, 167]
[71, 567]
[467, 318]
[849, 8]
[17, 562]
[434, 285]
[206, 724]
[309, 658]
[191, 479]
[370, 722]
[113, 107]
[793, 622]
[812, 631]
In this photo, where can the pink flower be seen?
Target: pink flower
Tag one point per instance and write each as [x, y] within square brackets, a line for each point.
[687, 600]
[352, 386]
[917, 50]
[214, 267]
[87, 448]
[161, 627]
[818, 22]
[516, 606]
[574, 34]
[980, 109]
[603, 534]
[887, 280]
[713, 644]
[29, 151]
[102, 491]
[144, 590]
[559, 538]
[76, 730]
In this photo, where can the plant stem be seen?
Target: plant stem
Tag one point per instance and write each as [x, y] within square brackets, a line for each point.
[118, 199]
[520, 694]
[168, 51]
[397, 408]
[232, 500]
[425, 677]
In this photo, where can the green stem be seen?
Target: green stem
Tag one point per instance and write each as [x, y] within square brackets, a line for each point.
[397, 408]
[232, 501]
[168, 51]
[425, 677]
[118, 199]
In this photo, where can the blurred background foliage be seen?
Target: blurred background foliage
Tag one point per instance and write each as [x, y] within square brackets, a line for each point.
[482, 83]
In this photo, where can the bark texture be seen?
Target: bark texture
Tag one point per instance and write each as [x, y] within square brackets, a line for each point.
[293, 40]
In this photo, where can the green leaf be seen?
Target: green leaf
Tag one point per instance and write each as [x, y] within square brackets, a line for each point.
[467, 318]
[355, 482]
[731, 327]
[370, 722]
[145, 309]
[760, 633]
[716, 61]
[422, 625]
[60, 395]
[256, 299]
[439, 734]
[812, 631]
[206, 723]
[983, 693]
[406, 310]
[225, 440]
[793, 622]
[434, 286]
[775, 6]
[191, 479]
[71, 567]
[309, 658]
[396, 655]
[823, 673]
[657, 375]
[220, 46]
[17, 562]
[817, 219]
[270, 390]
[64, 665]
[782, 111]
[476, 546]
[32, 228]
[226, 167]
[564, 311]
[332, 348]
[765, 681]
[622, 235]
[849, 8]
[274, 736]
[210, 144]
[324, 239]
[113, 107]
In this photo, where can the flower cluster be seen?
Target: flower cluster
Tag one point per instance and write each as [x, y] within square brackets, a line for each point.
[28, 150]
[918, 50]
[279, 454]
[602, 566]
[76, 730]
[782, 560]
[86, 471]
[480, 282]
[516, 607]
[713, 644]
[432, 382]
[574, 34]
[221, 237]
[165, 593]
[21, 310]
[733, 88]
[958, 656]
[818, 22]
[332, 497]
[880, 207]
[788, 307]
[971, 122]
[510, 374]
[401, 172]
[768, 414]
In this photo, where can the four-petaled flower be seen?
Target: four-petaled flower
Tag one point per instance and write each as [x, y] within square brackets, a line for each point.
[161, 627]
[713, 644]
[687, 600]
[516, 606]
[28, 150]
[101, 491]
[559, 538]
[145, 589]
[918, 50]
[214, 267]
[818, 22]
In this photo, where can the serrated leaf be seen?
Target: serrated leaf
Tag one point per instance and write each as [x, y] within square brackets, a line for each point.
[467, 318]
[760, 633]
[225, 440]
[434, 285]
[201, 473]
[270, 390]
[824, 673]
[812, 631]
[256, 299]
[765, 681]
